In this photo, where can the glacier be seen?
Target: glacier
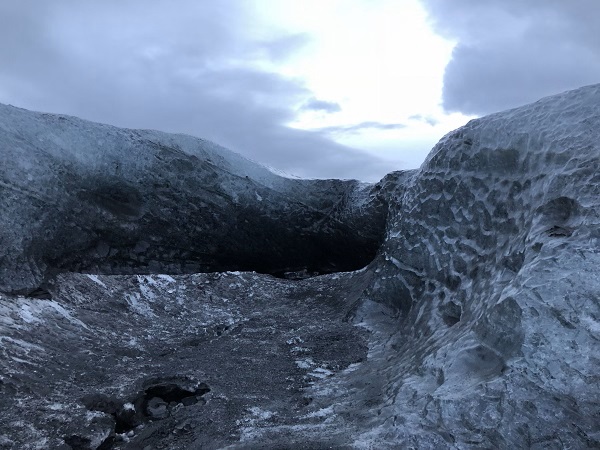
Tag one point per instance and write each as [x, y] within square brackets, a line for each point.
[160, 291]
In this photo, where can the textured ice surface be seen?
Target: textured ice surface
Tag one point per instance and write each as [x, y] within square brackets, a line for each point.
[86, 197]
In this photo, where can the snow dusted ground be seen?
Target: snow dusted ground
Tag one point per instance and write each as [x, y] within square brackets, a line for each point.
[73, 367]
[476, 323]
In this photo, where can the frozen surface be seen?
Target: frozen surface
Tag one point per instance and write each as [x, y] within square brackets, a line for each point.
[476, 325]
[86, 197]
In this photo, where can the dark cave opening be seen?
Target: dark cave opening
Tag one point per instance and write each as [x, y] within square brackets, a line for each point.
[291, 257]
[291, 238]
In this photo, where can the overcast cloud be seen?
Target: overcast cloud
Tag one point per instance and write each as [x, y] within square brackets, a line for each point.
[512, 52]
[357, 128]
[201, 68]
[321, 105]
[189, 69]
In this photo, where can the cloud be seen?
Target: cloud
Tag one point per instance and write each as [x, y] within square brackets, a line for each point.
[429, 120]
[511, 52]
[357, 128]
[189, 69]
[320, 105]
[281, 48]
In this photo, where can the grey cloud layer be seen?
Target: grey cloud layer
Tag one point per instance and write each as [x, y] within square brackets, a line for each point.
[183, 69]
[512, 52]
[356, 128]
[429, 120]
[321, 105]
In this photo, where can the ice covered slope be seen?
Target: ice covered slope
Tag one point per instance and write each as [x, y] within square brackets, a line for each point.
[492, 259]
[76, 195]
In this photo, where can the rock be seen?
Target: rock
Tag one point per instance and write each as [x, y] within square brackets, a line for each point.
[157, 408]
[476, 323]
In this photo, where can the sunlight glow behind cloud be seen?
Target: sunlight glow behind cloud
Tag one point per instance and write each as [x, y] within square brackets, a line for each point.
[336, 88]
[380, 62]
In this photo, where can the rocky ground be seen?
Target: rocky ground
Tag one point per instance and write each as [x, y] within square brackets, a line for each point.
[189, 361]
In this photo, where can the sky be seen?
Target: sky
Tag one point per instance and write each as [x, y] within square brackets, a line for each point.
[312, 88]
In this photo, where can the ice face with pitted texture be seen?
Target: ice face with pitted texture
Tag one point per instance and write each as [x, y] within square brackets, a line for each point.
[492, 259]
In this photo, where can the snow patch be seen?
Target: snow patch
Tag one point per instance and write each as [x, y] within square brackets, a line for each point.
[26, 313]
[24, 346]
[321, 373]
[56, 406]
[66, 314]
[323, 412]
[147, 292]
[137, 306]
[592, 325]
[129, 407]
[167, 278]
[97, 280]
[305, 363]
[31, 311]
[261, 414]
